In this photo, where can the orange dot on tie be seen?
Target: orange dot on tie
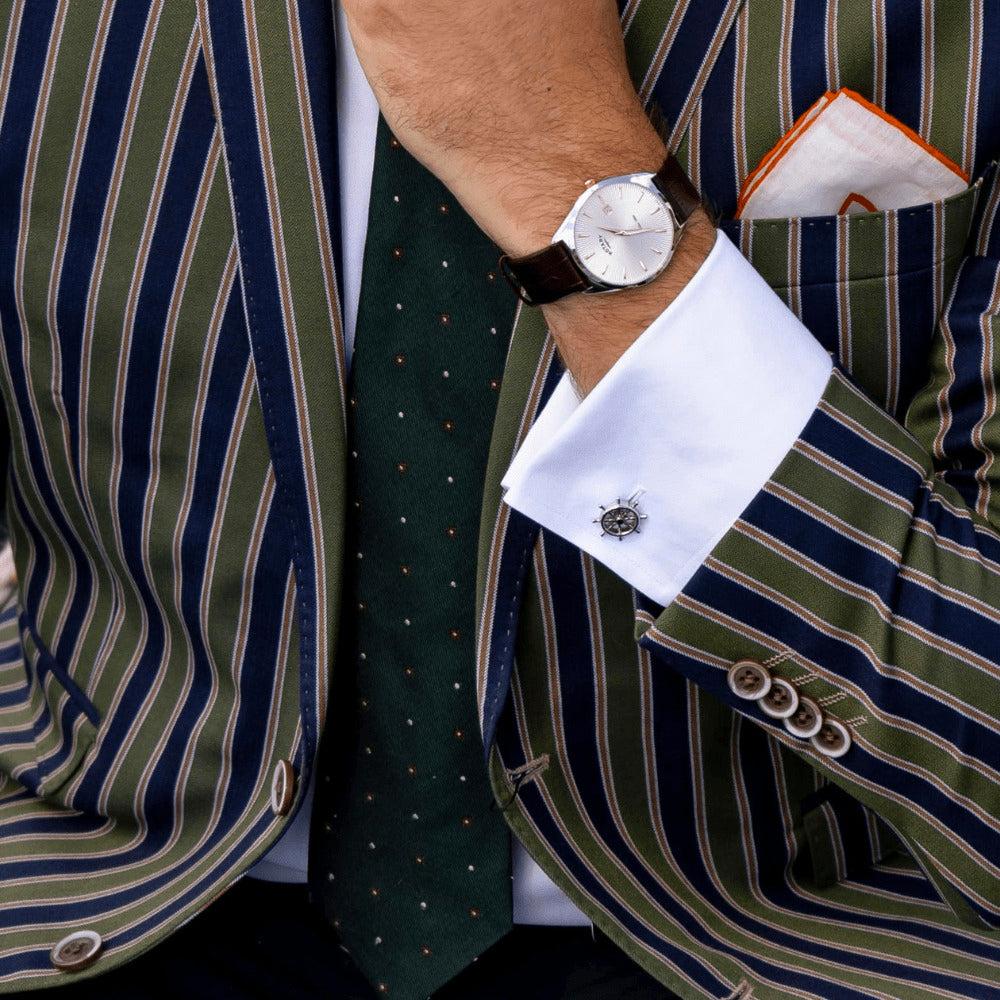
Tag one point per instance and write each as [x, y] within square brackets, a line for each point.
[383, 989]
[453, 633]
[369, 798]
[400, 360]
[445, 319]
[394, 142]
[426, 952]
[419, 859]
[491, 276]
[452, 532]
[401, 466]
[354, 400]
[494, 384]
[362, 606]
[409, 671]
[397, 253]
[466, 822]
[449, 425]
[375, 893]
[474, 913]
[443, 208]
[459, 734]
[365, 703]
[405, 570]
[411, 771]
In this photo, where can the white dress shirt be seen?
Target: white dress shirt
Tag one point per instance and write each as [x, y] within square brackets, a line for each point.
[693, 419]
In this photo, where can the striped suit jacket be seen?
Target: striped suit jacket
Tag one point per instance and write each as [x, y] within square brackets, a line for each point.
[171, 366]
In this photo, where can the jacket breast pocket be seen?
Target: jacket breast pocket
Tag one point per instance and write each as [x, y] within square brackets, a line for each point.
[870, 287]
[47, 724]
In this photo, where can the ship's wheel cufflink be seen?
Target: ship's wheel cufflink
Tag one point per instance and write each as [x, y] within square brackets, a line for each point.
[621, 518]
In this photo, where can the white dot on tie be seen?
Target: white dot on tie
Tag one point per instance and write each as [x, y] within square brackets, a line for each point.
[461, 777]
[400, 414]
[363, 656]
[493, 329]
[423, 906]
[444, 263]
[395, 198]
[371, 845]
[409, 722]
[446, 374]
[406, 621]
[415, 816]
[399, 306]
[330, 877]
[451, 479]
[472, 868]
[402, 520]
[457, 685]
[453, 583]
[378, 940]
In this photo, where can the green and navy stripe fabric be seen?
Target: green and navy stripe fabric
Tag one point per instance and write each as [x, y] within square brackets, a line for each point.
[176, 524]
[723, 853]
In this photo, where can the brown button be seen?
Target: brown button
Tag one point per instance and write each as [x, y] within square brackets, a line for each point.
[833, 739]
[781, 700]
[749, 679]
[282, 788]
[807, 720]
[76, 951]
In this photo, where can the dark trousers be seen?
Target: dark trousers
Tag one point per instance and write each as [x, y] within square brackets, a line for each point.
[264, 941]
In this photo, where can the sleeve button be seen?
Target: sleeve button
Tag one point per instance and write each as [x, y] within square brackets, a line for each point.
[806, 721]
[749, 680]
[833, 738]
[781, 701]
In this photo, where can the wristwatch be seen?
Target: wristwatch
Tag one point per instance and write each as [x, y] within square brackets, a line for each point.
[621, 232]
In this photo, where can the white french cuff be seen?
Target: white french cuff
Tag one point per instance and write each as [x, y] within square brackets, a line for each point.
[691, 421]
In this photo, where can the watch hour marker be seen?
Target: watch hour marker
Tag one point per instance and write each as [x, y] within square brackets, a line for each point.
[642, 264]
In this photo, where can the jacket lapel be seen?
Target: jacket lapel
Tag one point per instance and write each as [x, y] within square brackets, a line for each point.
[271, 67]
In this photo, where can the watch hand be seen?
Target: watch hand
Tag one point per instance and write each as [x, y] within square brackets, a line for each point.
[631, 232]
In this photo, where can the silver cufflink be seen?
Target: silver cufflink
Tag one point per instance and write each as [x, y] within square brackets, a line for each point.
[620, 519]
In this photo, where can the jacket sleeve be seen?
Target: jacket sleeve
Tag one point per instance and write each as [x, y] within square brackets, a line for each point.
[862, 566]
[866, 572]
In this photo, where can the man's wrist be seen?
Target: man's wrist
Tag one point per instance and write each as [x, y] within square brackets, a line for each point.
[593, 331]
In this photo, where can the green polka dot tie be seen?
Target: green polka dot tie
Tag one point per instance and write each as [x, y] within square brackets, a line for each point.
[411, 860]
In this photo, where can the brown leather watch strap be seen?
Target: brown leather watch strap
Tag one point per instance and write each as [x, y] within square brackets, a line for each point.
[544, 276]
[677, 188]
[551, 273]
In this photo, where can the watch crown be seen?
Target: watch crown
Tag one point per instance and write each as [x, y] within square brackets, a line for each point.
[589, 183]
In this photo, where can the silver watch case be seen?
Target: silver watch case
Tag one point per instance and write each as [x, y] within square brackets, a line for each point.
[621, 232]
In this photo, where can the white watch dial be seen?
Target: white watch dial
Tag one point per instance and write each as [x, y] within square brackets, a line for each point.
[623, 234]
